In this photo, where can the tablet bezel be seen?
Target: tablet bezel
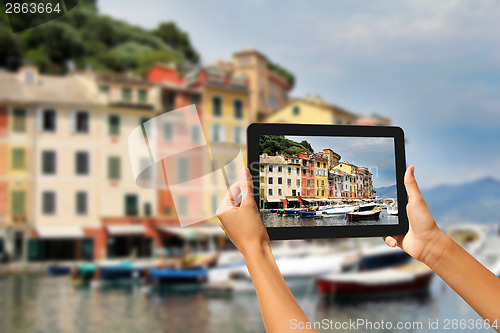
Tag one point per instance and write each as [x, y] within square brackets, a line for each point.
[255, 131]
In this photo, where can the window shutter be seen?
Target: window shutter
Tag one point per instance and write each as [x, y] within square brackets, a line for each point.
[72, 119]
[39, 119]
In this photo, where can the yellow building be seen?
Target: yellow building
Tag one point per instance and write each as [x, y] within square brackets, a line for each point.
[225, 118]
[321, 175]
[312, 111]
[350, 189]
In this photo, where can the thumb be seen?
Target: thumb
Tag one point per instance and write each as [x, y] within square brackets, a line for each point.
[411, 185]
[391, 241]
[246, 184]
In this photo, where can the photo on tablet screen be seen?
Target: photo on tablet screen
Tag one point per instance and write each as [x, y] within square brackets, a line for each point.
[327, 181]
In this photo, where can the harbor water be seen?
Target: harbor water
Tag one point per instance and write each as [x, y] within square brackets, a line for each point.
[39, 303]
[276, 220]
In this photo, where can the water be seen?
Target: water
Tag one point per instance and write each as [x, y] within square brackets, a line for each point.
[275, 220]
[30, 303]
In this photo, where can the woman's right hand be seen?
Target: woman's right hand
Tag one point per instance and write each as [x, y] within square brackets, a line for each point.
[424, 240]
[240, 219]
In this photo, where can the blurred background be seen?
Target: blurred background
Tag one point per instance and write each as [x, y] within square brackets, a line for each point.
[85, 246]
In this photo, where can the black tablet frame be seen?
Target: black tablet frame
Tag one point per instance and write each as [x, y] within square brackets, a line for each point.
[255, 131]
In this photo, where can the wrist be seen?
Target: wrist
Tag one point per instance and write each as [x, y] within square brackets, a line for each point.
[436, 248]
[258, 249]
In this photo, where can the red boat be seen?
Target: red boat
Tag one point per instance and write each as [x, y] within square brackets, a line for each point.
[409, 278]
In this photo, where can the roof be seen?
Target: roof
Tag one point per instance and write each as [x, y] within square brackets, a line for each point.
[67, 89]
[325, 105]
[122, 78]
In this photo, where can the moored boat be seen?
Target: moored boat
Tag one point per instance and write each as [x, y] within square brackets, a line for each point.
[392, 209]
[58, 270]
[368, 214]
[410, 278]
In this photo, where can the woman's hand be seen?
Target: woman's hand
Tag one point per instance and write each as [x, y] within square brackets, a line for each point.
[240, 219]
[424, 238]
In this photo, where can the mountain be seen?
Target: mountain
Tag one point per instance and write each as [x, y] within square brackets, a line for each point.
[476, 201]
[386, 192]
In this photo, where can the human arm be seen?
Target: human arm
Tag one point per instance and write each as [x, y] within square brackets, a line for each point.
[424, 241]
[242, 223]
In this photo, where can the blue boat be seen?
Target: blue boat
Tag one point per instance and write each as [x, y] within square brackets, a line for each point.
[168, 275]
[121, 271]
[58, 270]
[308, 213]
[290, 212]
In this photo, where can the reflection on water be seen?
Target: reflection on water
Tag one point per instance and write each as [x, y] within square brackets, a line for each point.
[275, 220]
[49, 304]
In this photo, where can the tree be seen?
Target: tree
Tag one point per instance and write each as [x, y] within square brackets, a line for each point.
[146, 60]
[10, 49]
[177, 39]
[278, 144]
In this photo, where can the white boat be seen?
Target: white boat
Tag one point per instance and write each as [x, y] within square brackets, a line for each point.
[392, 209]
[338, 210]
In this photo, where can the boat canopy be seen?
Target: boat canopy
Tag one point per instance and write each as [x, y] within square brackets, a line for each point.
[60, 232]
[125, 229]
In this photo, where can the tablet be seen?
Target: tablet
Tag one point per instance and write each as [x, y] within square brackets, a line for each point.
[328, 181]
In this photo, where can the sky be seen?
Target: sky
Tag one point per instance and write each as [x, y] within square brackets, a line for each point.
[376, 154]
[433, 67]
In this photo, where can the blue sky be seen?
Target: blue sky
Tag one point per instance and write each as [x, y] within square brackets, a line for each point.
[432, 66]
[376, 154]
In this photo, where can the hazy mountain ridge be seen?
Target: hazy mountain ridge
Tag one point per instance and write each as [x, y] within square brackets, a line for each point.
[476, 201]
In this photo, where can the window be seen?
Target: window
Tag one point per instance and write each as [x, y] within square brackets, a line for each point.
[217, 133]
[81, 203]
[322, 193]
[114, 124]
[238, 109]
[270, 191]
[104, 89]
[147, 209]
[49, 121]
[296, 110]
[217, 106]
[131, 207]
[304, 172]
[127, 95]
[322, 183]
[317, 164]
[195, 99]
[289, 182]
[294, 193]
[261, 179]
[324, 165]
[82, 163]
[270, 168]
[18, 203]
[279, 191]
[49, 162]
[19, 120]
[308, 182]
[18, 158]
[143, 96]
[168, 132]
[289, 170]
[167, 210]
[280, 180]
[114, 168]
[195, 134]
[182, 169]
[29, 77]
[238, 135]
[280, 168]
[182, 206]
[82, 122]
[270, 180]
[298, 182]
[298, 171]
[48, 202]
[317, 193]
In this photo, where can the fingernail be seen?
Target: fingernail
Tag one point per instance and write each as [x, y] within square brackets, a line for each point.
[392, 243]
[413, 171]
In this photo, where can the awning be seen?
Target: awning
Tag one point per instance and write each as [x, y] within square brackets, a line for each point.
[125, 229]
[308, 200]
[292, 199]
[193, 232]
[273, 200]
[60, 232]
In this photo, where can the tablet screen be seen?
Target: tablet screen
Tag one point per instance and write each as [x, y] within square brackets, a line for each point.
[327, 181]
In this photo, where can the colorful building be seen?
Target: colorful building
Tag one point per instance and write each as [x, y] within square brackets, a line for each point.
[308, 183]
[272, 180]
[268, 89]
[321, 175]
[349, 183]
